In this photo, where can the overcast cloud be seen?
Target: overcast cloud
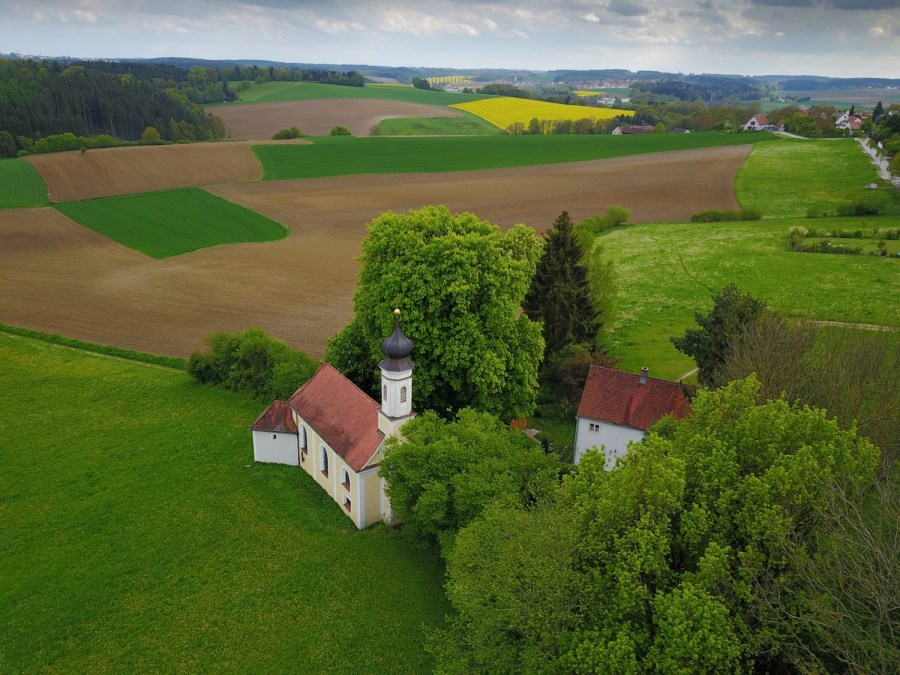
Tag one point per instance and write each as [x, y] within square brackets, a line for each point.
[843, 38]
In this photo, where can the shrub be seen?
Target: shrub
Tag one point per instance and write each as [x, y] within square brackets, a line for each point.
[816, 212]
[894, 166]
[715, 216]
[870, 206]
[340, 131]
[589, 228]
[293, 132]
[796, 236]
[251, 363]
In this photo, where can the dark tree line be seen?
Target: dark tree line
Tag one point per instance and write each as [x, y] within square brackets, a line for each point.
[122, 99]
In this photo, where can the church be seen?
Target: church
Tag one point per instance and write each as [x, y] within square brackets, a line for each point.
[336, 432]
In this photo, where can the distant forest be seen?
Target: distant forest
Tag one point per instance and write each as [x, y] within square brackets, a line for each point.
[42, 101]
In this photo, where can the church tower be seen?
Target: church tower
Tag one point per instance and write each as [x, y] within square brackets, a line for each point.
[396, 381]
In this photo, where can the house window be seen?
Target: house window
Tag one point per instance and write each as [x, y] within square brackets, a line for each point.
[325, 461]
[594, 426]
[345, 478]
[347, 504]
[303, 437]
[402, 394]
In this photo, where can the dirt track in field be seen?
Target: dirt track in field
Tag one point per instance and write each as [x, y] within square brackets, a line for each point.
[59, 277]
[260, 121]
[106, 172]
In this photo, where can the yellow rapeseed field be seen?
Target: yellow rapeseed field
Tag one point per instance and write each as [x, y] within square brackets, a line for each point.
[503, 111]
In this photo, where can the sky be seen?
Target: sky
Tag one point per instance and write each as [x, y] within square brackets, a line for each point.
[838, 38]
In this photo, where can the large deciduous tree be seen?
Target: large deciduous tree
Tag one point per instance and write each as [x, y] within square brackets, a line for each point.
[708, 346]
[560, 293]
[459, 283]
[688, 557]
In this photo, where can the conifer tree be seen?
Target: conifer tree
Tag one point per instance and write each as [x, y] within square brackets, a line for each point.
[560, 293]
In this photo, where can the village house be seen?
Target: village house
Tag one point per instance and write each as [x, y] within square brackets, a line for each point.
[758, 122]
[617, 408]
[336, 432]
[633, 129]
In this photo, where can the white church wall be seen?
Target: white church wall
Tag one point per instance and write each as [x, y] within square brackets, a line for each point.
[610, 439]
[275, 447]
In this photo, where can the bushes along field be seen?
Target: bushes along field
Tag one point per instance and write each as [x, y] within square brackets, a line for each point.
[20, 185]
[138, 535]
[163, 224]
[342, 156]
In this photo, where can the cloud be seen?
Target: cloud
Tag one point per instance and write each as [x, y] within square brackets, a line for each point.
[846, 5]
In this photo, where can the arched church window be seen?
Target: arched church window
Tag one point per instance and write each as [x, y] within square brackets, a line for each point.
[324, 461]
[345, 478]
[402, 394]
[384, 393]
[303, 437]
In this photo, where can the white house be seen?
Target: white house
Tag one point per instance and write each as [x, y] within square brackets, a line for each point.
[336, 432]
[758, 122]
[617, 408]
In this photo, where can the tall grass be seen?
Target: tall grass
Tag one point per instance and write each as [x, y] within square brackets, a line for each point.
[138, 535]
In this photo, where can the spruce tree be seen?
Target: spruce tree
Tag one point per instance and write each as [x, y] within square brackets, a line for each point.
[560, 293]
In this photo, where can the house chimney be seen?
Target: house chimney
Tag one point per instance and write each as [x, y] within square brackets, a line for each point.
[644, 375]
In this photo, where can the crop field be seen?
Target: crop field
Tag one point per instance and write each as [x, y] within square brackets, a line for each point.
[172, 222]
[20, 185]
[317, 118]
[466, 125]
[308, 91]
[667, 272]
[139, 536]
[340, 156]
[503, 111]
[120, 171]
[63, 278]
[786, 179]
[863, 97]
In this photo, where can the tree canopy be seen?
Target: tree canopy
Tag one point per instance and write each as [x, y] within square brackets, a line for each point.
[709, 345]
[459, 283]
[560, 295]
[685, 558]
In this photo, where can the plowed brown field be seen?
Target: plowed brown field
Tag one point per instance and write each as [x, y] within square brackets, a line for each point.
[260, 121]
[59, 277]
[105, 172]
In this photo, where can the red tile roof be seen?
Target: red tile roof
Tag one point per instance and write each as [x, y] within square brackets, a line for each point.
[762, 119]
[619, 398]
[341, 413]
[277, 417]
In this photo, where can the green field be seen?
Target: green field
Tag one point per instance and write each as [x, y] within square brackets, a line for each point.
[785, 179]
[139, 536]
[339, 156]
[171, 222]
[270, 92]
[20, 185]
[667, 272]
[468, 125]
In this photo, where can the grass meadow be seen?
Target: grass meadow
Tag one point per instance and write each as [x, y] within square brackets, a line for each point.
[339, 156]
[20, 185]
[667, 272]
[785, 179]
[270, 92]
[172, 222]
[139, 535]
[469, 125]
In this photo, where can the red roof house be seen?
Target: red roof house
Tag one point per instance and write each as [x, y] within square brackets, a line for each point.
[617, 408]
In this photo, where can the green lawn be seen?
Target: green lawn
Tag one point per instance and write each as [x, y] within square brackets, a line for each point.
[338, 156]
[468, 125]
[20, 185]
[667, 272]
[138, 535]
[270, 92]
[785, 179]
[171, 222]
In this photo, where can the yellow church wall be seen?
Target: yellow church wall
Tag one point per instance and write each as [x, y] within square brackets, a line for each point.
[373, 497]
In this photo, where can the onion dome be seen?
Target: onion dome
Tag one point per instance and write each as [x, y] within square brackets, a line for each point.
[396, 349]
